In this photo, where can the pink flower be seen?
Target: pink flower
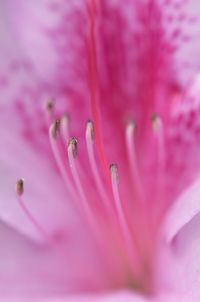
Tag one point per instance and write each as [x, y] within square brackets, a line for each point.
[100, 104]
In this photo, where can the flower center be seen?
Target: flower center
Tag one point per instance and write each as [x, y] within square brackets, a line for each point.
[102, 204]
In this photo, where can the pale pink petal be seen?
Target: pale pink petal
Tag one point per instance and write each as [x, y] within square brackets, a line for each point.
[62, 267]
[26, 153]
[10, 49]
[176, 297]
[43, 27]
[186, 259]
[27, 268]
[119, 297]
[184, 209]
[187, 54]
[183, 139]
[110, 297]
[16, 15]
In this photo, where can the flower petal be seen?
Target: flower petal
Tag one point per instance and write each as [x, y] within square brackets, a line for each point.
[110, 297]
[30, 13]
[185, 267]
[187, 58]
[36, 28]
[26, 267]
[19, 160]
[118, 297]
[183, 139]
[31, 270]
[184, 209]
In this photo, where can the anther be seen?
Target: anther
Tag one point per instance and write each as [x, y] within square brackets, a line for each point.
[49, 106]
[56, 146]
[114, 173]
[64, 126]
[156, 121]
[55, 128]
[74, 146]
[49, 111]
[157, 125]
[19, 188]
[90, 129]
[131, 123]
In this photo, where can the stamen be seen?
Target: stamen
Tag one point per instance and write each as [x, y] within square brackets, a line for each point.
[72, 154]
[161, 193]
[159, 132]
[131, 248]
[53, 137]
[64, 127]
[90, 148]
[134, 169]
[19, 192]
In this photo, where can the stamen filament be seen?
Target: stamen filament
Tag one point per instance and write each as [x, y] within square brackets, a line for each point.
[161, 155]
[53, 137]
[159, 133]
[72, 154]
[131, 150]
[131, 249]
[64, 127]
[91, 156]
